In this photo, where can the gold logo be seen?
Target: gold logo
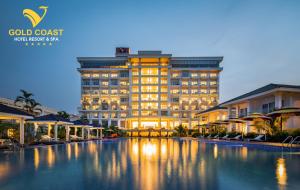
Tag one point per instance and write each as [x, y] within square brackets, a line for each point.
[34, 17]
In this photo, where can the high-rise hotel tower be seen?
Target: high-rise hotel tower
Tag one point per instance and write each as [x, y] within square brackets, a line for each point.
[148, 89]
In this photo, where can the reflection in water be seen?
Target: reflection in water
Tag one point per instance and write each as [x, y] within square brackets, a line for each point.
[215, 151]
[50, 156]
[149, 149]
[69, 151]
[36, 158]
[244, 153]
[142, 163]
[281, 173]
[76, 150]
[4, 170]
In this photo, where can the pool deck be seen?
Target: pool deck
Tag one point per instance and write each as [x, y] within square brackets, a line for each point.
[272, 146]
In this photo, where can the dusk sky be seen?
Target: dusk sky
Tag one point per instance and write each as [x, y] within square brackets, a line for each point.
[260, 41]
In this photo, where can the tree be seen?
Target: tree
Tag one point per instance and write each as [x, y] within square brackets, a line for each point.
[63, 114]
[181, 131]
[27, 102]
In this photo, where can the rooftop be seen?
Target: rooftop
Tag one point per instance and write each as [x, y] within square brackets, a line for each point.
[264, 89]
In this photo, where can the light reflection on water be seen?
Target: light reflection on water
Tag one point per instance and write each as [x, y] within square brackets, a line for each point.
[147, 164]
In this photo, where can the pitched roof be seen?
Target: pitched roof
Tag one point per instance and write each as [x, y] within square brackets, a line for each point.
[262, 90]
[79, 122]
[50, 117]
[218, 107]
[14, 111]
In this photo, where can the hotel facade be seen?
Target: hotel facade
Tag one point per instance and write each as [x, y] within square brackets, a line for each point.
[147, 90]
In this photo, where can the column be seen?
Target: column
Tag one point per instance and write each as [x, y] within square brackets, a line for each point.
[55, 131]
[22, 131]
[88, 134]
[82, 132]
[75, 131]
[49, 130]
[35, 128]
[101, 134]
[67, 132]
[278, 100]
[97, 133]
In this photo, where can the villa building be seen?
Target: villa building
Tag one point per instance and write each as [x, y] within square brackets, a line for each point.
[147, 90]
[246, 111]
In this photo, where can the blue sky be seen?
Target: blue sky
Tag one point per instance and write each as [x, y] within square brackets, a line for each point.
[260, 41]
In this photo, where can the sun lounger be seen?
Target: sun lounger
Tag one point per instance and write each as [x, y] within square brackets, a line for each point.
[236, 138]
[75, 138]
[209, 136]
[225, 137]
[46, 138]
[215, 137]
[258, 138]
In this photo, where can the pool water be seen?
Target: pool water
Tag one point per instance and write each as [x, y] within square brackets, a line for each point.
[148, 164]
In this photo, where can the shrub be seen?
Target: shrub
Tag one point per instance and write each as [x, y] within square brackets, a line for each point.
[278, 136]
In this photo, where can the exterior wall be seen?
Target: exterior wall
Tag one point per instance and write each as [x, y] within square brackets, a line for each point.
[153, 93]
[275, 100]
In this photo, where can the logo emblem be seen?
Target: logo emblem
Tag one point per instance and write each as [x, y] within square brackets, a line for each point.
[34, 17]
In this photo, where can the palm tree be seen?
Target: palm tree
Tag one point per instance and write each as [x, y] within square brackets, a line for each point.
[181, 131]
[63, 114]
[28, 103]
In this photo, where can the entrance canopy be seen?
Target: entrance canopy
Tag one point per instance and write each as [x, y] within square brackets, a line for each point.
[7, 112]
[285, 111]
[256, 116]
[10, 113]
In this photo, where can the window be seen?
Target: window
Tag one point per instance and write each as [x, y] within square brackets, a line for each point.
[95, 82]
[175, 99]
[243, 112]
[175, 82]
[269, 107]
[124, 99]
[114, 82]
[86, 82]
[194, 82]
[194, 75]
[124, 74]
[114, 75]
[104, 75]
[185, 74]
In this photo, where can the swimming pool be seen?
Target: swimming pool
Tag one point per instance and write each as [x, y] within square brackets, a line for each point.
[148, 164]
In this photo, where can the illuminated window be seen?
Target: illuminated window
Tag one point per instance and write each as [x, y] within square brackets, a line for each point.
[194, 82]
[203, 91]
[185, 91]
[175, 75]
[104, 83]
[185, 83]
[203, 75]
[212, 75]
[194, 75]
[194, 91]
[85, 75]
[104, 75]
[114, 75]
[175, 91]
[203, 83]
[104, 91]
[212, 83]
[95, 75]
[114, 91]
[123, 83]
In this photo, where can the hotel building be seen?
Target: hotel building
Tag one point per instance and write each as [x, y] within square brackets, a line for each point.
[148, 89]
[278, 101]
